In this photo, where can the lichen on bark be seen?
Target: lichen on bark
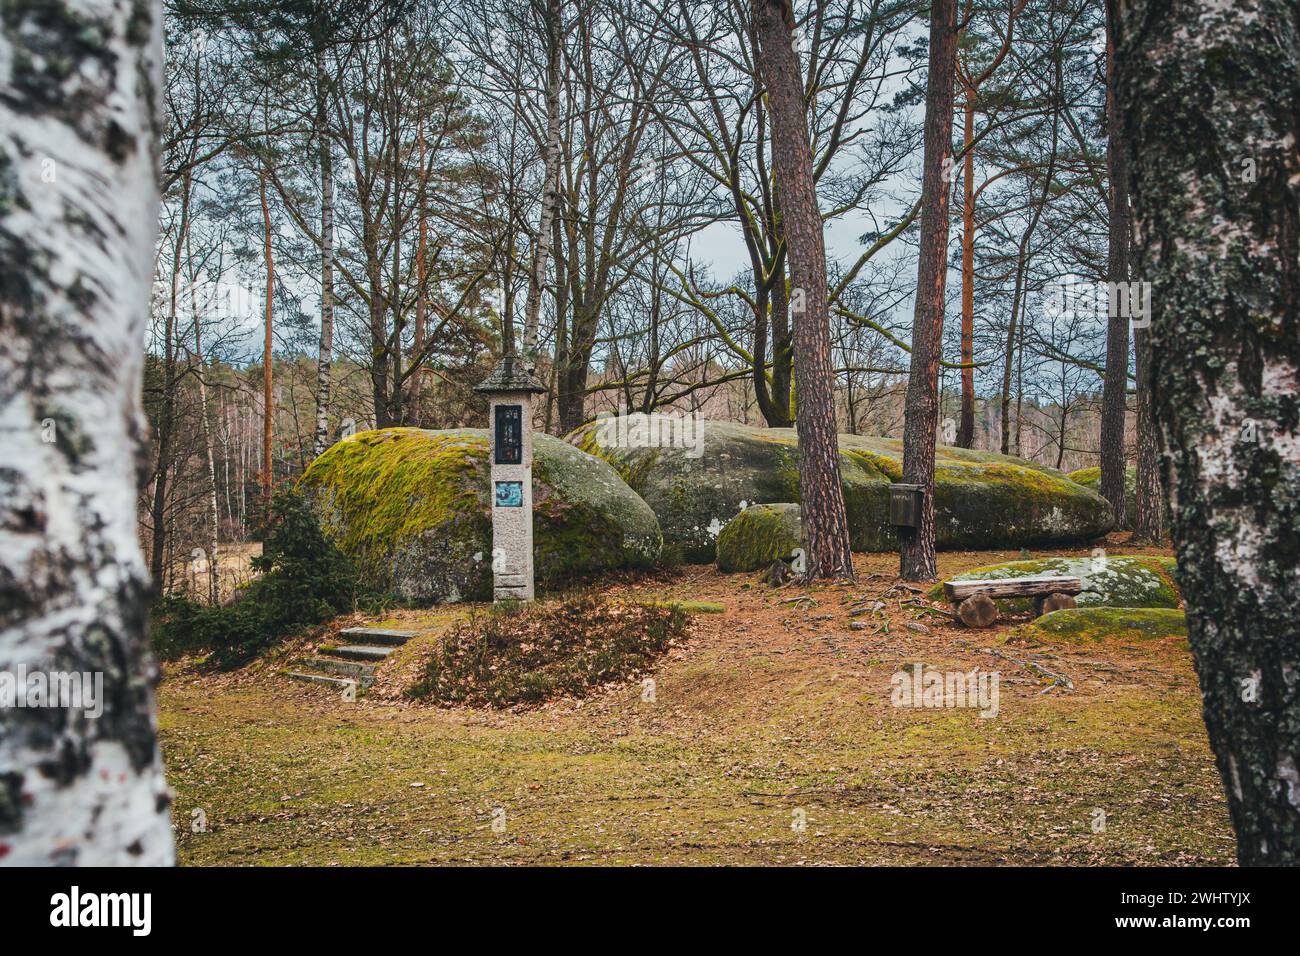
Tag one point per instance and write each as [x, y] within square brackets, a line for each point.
[1209, 96]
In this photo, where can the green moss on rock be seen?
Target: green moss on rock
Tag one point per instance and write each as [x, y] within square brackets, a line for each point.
[1091, 478]
[983, 499]
[1138, 581]
[411, 507]
[758, 536]
[1086, 625]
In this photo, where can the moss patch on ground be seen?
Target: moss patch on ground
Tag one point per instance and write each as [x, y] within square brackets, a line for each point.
[692, 607]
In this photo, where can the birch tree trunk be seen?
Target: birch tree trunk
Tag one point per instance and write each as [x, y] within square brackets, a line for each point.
[921, 413]
[268, 403]
[825, 525]
[325, 355]
[78, 222]
[1216, 190]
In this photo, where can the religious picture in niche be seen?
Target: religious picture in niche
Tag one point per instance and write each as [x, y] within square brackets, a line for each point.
[510, 494]
[509, 435]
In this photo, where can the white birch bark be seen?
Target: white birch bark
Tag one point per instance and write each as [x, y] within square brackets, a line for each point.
[79, 82]
[1216, 187]
[325, 357]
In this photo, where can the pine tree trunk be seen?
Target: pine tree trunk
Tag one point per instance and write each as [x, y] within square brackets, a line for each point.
[1216, 188]
[783, 400]
[77, 233]
[921, 413]
[325, 355]
[825, 525]
[1114, 393]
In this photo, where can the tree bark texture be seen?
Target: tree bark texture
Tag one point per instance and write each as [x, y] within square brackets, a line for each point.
[921, 412]
[825, 526]
[325, 354]
[79, 90]
[1209, 100]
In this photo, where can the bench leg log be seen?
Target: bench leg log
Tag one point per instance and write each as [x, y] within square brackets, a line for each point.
[978, 610]
[1053, 602]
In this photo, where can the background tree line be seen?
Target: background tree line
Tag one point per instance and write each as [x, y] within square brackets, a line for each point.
[355, 193]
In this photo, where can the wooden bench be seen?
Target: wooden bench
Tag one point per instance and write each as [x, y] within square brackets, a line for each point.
[974, 598]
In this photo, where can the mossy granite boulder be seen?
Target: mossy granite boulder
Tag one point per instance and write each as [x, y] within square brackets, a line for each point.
[758, 536]
[983, 499]
[411, 507]
[1136, 581]
[1085, 625]
[1091, 478]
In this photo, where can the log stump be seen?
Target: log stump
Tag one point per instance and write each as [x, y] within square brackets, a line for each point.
[1053, 602]
[978, 610]
[777, 574]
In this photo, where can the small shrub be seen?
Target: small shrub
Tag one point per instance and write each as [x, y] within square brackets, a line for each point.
[519, 654]
[304, 580]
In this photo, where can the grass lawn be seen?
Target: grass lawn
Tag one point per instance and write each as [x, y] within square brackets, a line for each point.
[770, 739]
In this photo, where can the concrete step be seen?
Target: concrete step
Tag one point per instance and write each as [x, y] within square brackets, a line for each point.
[359, 652]
[377, 635]
[338, 683]
[355, 669]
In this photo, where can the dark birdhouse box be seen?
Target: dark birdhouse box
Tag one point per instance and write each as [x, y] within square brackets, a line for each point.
[905, 505]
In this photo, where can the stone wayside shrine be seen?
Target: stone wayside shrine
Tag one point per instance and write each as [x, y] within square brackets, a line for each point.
[510, 389]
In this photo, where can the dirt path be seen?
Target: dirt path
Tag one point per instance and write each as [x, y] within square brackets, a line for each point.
[771, 738]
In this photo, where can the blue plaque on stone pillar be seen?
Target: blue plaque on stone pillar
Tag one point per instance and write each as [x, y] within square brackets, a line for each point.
[509, 494]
